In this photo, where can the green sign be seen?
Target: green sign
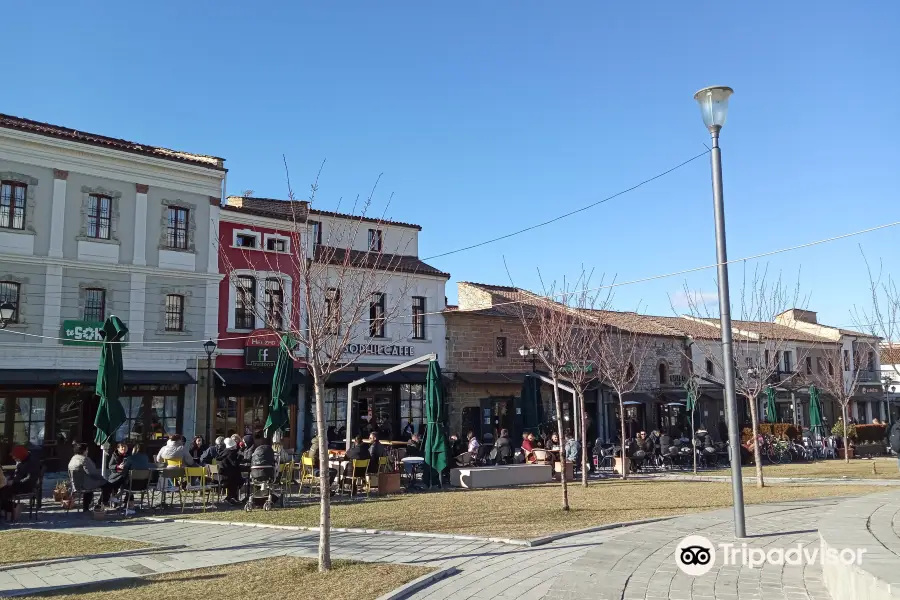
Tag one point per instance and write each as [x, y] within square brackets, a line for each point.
[81, 333]
[570, 368]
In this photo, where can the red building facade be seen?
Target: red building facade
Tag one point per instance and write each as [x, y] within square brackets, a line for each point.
[257, 296]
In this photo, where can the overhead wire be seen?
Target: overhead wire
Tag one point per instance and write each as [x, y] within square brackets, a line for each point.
[553, 296]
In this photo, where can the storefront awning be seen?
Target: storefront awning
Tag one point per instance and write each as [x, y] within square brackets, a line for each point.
[492, 378]
[345, 377]
[57, 376]
[638, 397]
[239, 377]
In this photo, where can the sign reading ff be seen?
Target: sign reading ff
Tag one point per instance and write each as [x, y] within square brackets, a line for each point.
[261, 349]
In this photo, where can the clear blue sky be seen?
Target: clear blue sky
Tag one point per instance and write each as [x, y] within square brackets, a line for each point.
[486, 117]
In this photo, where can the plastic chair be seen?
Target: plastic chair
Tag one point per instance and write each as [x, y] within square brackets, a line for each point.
[138, 482]
[307, 475]
[169, 484]
[542, 457]
[214, 482]
[356, 477]
[33, 496]
[192, 475]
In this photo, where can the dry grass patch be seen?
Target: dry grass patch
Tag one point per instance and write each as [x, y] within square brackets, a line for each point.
[26, 545]
[876, 468]
[285, 578]
[532, 511]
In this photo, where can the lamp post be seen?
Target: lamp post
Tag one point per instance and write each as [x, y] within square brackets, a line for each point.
[713, 103]
[7, 311]
[525, 352]
[210, 347]
[887, 400]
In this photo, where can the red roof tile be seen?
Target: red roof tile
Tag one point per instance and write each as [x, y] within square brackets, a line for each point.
[57, 131]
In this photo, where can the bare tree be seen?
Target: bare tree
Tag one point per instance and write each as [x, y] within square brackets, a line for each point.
[882, 318]
[619, 355]
[758, 347]
[547, 322]
[341, 296]
[840, 378]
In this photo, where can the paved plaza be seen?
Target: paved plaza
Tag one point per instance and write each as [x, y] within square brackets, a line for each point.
[625, 563]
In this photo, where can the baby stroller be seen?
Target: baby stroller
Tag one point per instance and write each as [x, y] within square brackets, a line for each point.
[266, 487]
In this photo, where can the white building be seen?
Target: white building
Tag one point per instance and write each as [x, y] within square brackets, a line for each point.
[92, 226]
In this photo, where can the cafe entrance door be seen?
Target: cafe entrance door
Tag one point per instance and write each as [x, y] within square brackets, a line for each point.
[376, 411]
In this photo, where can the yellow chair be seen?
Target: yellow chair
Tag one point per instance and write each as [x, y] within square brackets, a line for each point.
[190, 475]
[285, 477]
[174, 462]
[383, 466]
[357, 477]
[214, 482]
[307, 475]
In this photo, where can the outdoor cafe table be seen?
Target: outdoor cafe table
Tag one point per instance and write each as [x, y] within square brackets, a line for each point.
[415, 463]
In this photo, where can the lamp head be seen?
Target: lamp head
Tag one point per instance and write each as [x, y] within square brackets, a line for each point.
[713, 103]
[210, 347]
[7, 311]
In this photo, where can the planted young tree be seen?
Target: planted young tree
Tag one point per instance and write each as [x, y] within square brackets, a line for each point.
[839, 379]
[548, 327]
[619, 353]
[758, 347]
[340, 292]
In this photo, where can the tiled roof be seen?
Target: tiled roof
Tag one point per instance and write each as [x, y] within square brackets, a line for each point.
[779, 332]
[372, 260]
[20, 124]
[890, 356]
[281, 209]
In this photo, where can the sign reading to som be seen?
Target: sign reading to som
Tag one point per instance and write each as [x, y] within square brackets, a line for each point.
[81, 333]
[380, 349]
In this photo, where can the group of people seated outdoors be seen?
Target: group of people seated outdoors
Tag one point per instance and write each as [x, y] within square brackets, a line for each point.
[23, 480]
[503, 450]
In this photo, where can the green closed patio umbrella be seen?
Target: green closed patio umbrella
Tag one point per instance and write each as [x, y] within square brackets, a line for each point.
[282, 382]
[437, 447]
[771, 413]
[110, 375]
[815, 409]
[531, 405]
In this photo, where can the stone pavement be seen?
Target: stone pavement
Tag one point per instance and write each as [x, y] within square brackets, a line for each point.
[625, 563]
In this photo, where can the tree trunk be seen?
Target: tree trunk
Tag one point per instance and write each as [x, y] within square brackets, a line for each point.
[324, 478]
[584, 446]
[757, 455]
[562, 442]
[844, 414]
[622, 434]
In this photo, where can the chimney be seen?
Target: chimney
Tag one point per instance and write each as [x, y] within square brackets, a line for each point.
[792, 315]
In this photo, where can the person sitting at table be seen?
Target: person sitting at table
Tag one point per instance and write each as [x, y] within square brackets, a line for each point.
[23, 479]
[665, 442]
[208, 457]
[117, 458]
[198, 448]
[229, 463]
[473, 444]
[175, 451]
[263, 456]
[246, 447]
[136, 460]
[553, 443]
[356, 452]
[503, 448]
[456, 446]
[377, 450]
[572, 449]
[92, 478]
[413, 446]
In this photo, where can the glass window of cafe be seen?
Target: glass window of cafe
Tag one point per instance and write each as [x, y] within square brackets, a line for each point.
[412, 407]
[335, 409]
[151, 412]
[23, 419]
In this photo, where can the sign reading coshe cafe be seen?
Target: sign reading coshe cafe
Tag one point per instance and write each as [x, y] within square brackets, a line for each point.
[81, 333]
[380, 349]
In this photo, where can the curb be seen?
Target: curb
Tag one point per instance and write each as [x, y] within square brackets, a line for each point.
[559, 536]
[418, 584]
[53, 561]
[795, 480]
[418, 534]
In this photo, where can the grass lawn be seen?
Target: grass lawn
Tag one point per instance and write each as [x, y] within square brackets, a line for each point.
[25, 545]
[877, 468]
[532, 511]
[283, 577]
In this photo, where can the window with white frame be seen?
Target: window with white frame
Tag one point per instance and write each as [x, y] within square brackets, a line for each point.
[274, 303]
[245, 302]
[246, 239]
[12, 204]
[277, 243]
[418, 317]
[374, 240]
[99, 216]
[333, 310]
[376, 315]
[174, 312]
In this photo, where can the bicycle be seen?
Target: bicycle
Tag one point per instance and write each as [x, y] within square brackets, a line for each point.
[778, 452]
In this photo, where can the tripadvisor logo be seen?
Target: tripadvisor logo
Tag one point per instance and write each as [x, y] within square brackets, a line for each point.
[695, 555]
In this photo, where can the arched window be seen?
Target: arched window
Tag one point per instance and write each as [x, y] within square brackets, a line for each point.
[663, 374]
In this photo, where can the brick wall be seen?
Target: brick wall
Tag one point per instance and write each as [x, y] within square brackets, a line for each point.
[472, 343]
[667, 351]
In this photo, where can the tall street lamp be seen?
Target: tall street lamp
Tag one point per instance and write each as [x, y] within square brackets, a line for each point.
[525, 352]
[714, 108]
[886, 380]
[210, 347]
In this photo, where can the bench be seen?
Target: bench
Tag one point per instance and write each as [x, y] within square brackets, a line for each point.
[500, 476]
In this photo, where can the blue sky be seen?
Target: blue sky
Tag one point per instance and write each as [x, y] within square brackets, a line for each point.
[487, 117]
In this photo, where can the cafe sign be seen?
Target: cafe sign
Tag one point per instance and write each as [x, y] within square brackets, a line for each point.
[380, 350]
[263, 338]
[81, 333]
[869, 389]
[260, 356]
